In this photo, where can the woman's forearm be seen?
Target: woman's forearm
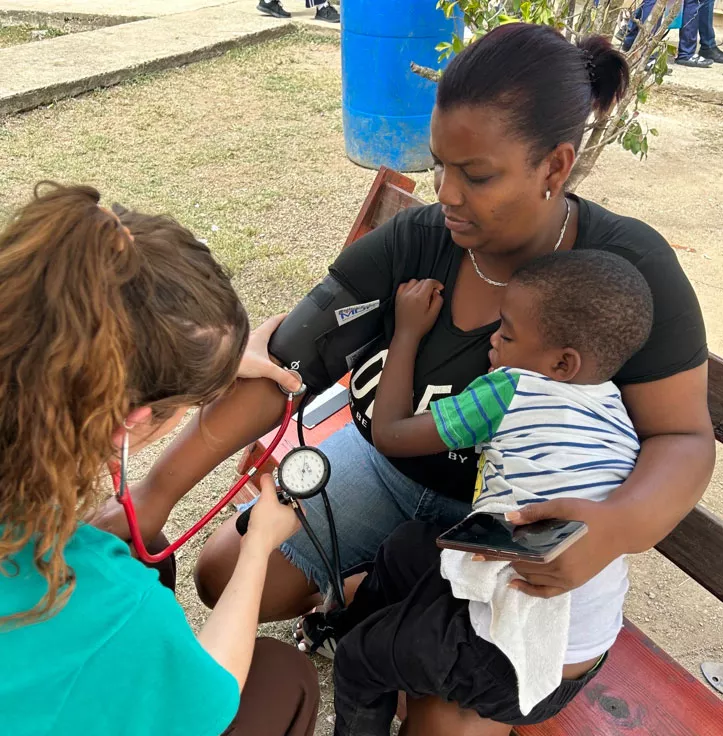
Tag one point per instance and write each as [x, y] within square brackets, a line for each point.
[229, 634]
[251, 409]
[670, 477]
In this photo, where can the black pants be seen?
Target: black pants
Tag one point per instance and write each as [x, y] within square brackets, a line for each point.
[406, 631]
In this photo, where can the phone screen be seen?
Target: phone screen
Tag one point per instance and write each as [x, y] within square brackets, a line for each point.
[493, 531]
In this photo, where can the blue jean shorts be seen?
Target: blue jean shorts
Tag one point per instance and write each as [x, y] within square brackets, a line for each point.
[370, 498]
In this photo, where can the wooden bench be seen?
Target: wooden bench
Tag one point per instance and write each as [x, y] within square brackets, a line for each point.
[642, 691]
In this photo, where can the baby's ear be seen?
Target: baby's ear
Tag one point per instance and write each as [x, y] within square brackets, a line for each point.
[568, 365]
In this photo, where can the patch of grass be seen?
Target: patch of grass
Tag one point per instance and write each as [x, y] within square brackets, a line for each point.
[246, 150]
[17, 34]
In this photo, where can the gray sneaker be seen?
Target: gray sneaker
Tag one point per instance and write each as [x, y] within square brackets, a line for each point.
[698, 62]
[273, 8]
[713, 53]
[328, 13]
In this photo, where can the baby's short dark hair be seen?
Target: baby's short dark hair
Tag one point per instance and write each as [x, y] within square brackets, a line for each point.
[593, 301]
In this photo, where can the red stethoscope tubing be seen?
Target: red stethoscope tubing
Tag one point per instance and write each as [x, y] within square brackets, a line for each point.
[124, 498]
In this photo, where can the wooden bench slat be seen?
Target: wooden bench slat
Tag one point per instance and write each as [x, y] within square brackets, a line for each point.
[641, 691]
[697, 542]
[696, 547]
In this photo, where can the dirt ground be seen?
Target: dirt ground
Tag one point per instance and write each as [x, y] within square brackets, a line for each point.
[248, 151]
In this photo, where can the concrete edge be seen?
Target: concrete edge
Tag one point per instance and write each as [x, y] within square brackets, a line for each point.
[31, 99]
[69, 22]
[320, 27]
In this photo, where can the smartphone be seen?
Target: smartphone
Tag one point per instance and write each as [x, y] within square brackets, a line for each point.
[496, 538]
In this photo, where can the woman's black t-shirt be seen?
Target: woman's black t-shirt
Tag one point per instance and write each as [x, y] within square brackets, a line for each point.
[416, 244]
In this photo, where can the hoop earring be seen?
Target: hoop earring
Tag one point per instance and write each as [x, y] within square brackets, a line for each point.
[548, 194]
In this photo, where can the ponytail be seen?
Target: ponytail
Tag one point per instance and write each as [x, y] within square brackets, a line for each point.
[608, 72]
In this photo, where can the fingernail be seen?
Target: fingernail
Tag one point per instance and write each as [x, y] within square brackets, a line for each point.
[513, 516]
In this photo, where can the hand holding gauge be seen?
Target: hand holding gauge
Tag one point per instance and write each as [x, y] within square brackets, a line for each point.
[304, 473]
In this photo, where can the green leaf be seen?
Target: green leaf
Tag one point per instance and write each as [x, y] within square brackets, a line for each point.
[654, 131]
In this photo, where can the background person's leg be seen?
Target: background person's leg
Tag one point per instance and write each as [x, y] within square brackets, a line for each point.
[689, 35]
[639, 17]
[708, 45]
[281, 695]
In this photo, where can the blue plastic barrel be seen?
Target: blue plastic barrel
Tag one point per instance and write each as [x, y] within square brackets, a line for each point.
[386, 107]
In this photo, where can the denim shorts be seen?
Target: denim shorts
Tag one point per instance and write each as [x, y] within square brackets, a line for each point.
[369, 498]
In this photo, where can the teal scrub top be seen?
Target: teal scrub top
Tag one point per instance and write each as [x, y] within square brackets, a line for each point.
[119, 659]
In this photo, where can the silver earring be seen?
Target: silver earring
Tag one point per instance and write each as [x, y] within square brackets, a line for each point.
[547, 195]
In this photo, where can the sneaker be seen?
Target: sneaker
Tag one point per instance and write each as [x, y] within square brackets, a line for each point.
[327, 13]
[713, 53]
[273, 8]
[318, 633]
[696, 62]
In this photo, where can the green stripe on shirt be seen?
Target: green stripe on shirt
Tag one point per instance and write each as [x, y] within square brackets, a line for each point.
[475, 415]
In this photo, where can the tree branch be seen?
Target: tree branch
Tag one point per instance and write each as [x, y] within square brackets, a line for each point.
[432, 75]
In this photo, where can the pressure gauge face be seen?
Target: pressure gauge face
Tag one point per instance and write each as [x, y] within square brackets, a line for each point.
[304, 472]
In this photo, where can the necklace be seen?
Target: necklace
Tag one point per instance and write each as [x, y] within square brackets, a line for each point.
[492, 282]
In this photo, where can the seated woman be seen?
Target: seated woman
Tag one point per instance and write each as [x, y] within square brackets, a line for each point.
[511, 113]
[106, 330]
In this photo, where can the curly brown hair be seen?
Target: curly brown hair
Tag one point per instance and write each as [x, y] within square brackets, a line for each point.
[100, 313]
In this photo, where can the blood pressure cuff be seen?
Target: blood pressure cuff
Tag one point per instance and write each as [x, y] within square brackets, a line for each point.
[326, 332]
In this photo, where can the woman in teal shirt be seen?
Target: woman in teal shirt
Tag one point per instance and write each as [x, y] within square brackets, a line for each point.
[107, 329]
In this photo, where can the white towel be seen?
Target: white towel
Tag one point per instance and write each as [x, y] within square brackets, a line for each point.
[531, 632]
